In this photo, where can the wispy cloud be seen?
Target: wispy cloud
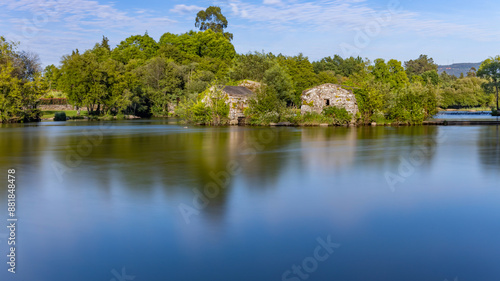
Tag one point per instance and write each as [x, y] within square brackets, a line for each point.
[72, 23]
[272, 2]
[351, 15]
[75, 13]
[185, 9]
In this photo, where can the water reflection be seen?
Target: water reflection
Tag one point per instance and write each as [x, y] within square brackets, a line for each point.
[292, 185]
[489, 148]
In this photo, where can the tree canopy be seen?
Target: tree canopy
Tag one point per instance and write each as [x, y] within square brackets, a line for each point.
[420, 65]
[213, 19]
[490, 70]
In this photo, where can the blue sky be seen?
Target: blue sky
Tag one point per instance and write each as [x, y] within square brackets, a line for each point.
[448, 31]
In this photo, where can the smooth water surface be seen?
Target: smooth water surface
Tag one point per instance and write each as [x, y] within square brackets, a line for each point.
[466, 116]
[156, 201]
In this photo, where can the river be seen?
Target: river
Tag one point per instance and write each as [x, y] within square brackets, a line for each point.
[154, 200]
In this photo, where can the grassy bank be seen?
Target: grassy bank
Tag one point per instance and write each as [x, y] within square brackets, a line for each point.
[46, 114]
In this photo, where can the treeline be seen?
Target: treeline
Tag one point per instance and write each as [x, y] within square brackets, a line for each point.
[144, 77]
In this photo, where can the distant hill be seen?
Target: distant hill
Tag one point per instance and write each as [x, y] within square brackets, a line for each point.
[457, 68]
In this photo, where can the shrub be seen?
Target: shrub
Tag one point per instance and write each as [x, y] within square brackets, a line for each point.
[60, 116]
[340, 115]
[31, 115]
[266, 108]
[211, 108]
[413, 105]
[313, 118]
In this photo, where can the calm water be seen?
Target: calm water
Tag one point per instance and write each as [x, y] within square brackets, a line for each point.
[466, 116]
[157, 201]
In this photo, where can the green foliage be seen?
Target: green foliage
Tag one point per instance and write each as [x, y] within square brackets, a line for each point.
[279, 83]
[60, 116]
[340, 115]
[193, 45]
[490, 70]
[420, 65]
[21, 84]
[266, 108]
[213, 19]
[413, 105]
[313, 119]
[137, 47]
[96, 80]
[162, 82]
[210, 108]
[301, 72]
[431, 77]
[328, 76]
[251, 66]
[371, 101]
[464, 93]
[345, 67]
[143, 77]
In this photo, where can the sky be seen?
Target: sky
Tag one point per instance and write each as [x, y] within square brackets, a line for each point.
[448, 31]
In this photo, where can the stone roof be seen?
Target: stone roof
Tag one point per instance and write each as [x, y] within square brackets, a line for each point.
[237, 91]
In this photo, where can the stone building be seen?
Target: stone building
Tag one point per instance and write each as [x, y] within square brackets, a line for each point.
[315, 99]
[237, 98]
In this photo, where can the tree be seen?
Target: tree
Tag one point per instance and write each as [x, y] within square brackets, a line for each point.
[212, 18]
[203, 44]
[398, 79]
[163, 83]
[472, 72]
[139, 47]
[380, 71]
[251, 66]
[490, 70]
[431, 76]
[279, 83]
[51, 75]
[21, 84]
[301, 72]
[345, 67]
[420, 65]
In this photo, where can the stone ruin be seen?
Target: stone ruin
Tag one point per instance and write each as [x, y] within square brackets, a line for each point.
[317, 98]
[237, 98]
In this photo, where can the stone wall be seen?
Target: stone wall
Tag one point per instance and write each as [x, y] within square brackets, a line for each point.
[60, 107]
[237, 103]
[237, 106]
[315, 99]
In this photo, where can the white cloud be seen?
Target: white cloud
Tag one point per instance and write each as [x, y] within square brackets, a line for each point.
[272, 2]
[353, 15]
[185, 9]
[73, 24]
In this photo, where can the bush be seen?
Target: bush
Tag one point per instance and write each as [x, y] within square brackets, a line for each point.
[265, 108]
[31, 115]
[60, 116]
[313, 118]
[211, 108]
[413, 105]
[340, 115]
